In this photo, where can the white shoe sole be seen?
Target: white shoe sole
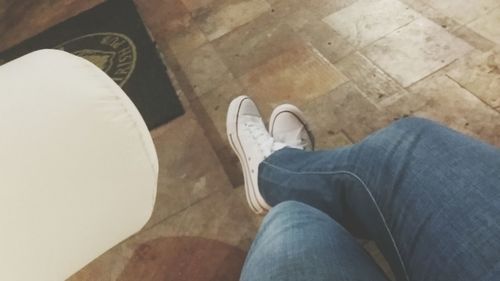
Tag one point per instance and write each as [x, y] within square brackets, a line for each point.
[251, 188]
[297, 113]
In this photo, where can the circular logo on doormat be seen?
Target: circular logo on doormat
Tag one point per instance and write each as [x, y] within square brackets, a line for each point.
[114, 53]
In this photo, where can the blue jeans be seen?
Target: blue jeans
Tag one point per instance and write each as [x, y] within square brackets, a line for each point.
[428, 196]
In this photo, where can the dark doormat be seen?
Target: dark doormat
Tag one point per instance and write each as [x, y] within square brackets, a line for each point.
[113, 37]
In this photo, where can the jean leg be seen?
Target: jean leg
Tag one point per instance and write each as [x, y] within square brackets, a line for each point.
[297, 242]
[429, 196]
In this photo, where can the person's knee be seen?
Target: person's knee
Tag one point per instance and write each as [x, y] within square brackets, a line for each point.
[285, 211]
[415, 123]
[286, 207]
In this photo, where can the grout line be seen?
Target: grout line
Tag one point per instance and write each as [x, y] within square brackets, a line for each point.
[191, 204]
[347, 136]
[472, 93]
[440, 69]
[200, 113]
[378, 67]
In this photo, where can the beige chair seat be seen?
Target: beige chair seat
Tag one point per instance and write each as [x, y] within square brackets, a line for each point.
[78, 168]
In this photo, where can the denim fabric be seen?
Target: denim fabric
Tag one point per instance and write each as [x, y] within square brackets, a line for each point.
[298, 242]
[429, 197]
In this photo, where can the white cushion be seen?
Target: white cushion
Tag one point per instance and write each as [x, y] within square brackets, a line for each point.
[78, 168]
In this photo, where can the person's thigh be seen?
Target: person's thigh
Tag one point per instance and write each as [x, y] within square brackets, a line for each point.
[428, 195]
[439, 194]
[299, 242]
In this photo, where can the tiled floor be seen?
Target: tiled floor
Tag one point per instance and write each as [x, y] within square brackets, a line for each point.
[353, 66]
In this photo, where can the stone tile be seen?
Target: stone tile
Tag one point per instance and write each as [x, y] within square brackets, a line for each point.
[480, 74]
[475, 40]
[185, 42]
[429, 12]
[189, 168]
[224, 18]
[441, 99]
[344, 110]
[299, 19]
[297, 75]
[372, 81]
[283, 9]
[327, 7]
[415, 51]
[204, 69]
[328, 42]
[184, 259]
[164, 17]
[255, 43]
[196, 5]
[216, 103]
[368, 20]
[488, 26]
[224, 216]
[4, 7]
[464, 11]
[329, 139]
[322, 8]
[262, 39]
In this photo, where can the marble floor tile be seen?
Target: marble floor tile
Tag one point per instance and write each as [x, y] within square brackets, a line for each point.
[223, 216]
[488, 25]
[345, 110]
[373, 82]
[328, 139]
[195, 5]
[480, 74]
[368, 20]
[164, 17]
[216, 103]
[326, 40]
[464, 11]
[189, 168]
[283, 9]
[296, 20]
[184, 259]
[184, 42]
[474, 39]
[204, 69]
[297, 75]
[224, 18]
[431, 13]
[441, 99]
[415, 51]
[255, 43]
[321, 8]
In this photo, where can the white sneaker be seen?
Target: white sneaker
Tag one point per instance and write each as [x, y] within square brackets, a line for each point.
[288, 125]
[252, 144]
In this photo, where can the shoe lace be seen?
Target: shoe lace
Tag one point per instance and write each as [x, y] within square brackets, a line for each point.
[299, 141]
[295, 140]
[266, 144]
